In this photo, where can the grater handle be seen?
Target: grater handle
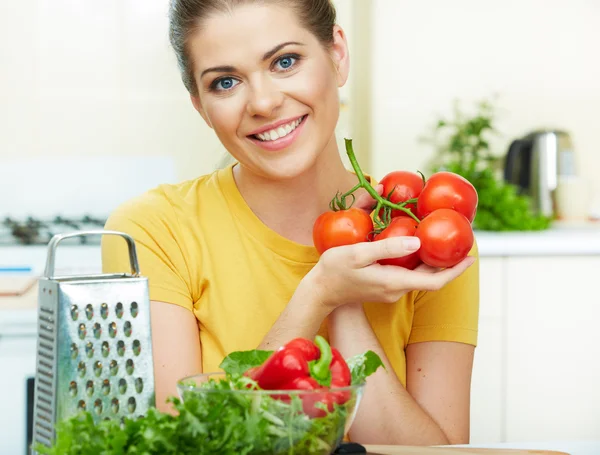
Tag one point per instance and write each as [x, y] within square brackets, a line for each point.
[133, 260]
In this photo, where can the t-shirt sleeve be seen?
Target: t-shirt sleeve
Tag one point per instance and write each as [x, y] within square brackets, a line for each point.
[452, 313]
[152, 223]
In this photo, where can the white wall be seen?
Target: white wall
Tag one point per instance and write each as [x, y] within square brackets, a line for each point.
[540, 56]
[92, 78]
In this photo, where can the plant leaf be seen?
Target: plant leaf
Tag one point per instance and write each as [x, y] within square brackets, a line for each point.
[364, 365]
[238, 362]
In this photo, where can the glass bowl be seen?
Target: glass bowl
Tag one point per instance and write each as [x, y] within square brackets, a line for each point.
[254, 421]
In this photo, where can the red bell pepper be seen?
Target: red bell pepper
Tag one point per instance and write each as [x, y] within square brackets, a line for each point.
[311, 350]
[303, 365]
[283, 366]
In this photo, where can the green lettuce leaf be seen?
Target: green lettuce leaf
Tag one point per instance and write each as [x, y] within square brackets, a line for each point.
[238, 362]
[364, 365]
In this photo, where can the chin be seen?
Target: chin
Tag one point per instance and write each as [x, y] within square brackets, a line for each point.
[292, 166]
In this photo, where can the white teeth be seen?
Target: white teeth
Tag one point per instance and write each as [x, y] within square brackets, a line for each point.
[279, 132]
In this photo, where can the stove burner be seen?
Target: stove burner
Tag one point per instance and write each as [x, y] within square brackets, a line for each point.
[32, 231]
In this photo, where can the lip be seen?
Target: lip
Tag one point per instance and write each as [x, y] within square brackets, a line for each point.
[282, 142]
[272, 126]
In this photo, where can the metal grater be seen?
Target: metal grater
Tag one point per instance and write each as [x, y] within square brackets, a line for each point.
[94, 348]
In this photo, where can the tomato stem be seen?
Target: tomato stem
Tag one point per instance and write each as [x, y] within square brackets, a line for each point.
[363, 183]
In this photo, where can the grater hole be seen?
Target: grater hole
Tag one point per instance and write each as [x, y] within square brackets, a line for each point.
[98, 368]
[134, 309]
[137, 347]
[114, 367]
[105, 387]
[104, 310]
[127, 329]
[131, 405]
[105, 349]
[81, 405]
[98, 406]
[129, 366]
[121, 348]
[119, 310]
[106, 418]
[81, 369]
[74, 312]
[114, 405]
[112, 329]
[139, 385]
[89, 311]
[82, 331]
[74, 351]
[89, 349]
[89, 388]
[122, 386]
[73, 388]
[97, 330]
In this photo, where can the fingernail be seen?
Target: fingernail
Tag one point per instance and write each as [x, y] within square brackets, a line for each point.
[412, 243]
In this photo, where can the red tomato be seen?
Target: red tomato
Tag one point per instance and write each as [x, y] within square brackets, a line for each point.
[446, 238]
[343, 227]
[447, 190]
[400, 227]
[405, 185]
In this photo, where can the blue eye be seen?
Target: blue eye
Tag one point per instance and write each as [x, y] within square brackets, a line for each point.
[225, 83]
[286, 62]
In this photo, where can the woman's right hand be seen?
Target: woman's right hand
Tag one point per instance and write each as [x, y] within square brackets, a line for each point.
[351, 273]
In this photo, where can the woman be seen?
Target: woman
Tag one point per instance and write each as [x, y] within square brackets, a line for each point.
[230, 257]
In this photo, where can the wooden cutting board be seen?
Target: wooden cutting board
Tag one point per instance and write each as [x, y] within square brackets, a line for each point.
[409, 450]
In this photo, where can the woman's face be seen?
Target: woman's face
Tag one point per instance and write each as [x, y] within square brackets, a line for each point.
[268, 88]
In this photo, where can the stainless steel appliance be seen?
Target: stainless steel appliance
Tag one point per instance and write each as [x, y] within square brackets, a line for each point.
[94, 348]
[534, 164]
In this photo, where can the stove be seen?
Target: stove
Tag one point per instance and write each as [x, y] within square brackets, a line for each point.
[36, 231]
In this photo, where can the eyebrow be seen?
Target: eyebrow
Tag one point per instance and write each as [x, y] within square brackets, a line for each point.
[267, 55]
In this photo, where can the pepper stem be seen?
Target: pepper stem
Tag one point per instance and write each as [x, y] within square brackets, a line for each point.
[319, 369]
[363, 183]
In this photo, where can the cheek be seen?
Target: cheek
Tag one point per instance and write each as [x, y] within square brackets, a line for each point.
[320, 90]
[224, 114]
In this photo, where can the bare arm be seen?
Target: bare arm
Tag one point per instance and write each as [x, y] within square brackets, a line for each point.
[302, 317]
[176, 349]
[435, 408]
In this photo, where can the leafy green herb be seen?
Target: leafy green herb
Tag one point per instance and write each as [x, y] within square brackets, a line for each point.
[213, 419]
[363, 365]
[464, 148]
[239, 362]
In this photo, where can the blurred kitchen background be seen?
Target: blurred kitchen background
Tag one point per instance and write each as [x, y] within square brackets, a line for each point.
[93, 111]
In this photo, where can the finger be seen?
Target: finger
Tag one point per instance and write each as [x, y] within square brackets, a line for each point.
[427, 268]
[365, 201]
[366, 253]
[425, 281]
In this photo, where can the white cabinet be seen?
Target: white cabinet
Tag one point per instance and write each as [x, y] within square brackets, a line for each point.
[553, 348]
[487, 392]
[536, 374]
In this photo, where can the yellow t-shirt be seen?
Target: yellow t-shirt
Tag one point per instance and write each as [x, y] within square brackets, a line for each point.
[201, 247]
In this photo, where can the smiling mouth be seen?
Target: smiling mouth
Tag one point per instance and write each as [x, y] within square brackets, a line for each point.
[279, 132]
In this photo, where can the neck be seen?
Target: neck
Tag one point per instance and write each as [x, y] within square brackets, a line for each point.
[290, 207]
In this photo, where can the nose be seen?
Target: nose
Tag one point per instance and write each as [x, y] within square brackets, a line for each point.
[265, 97]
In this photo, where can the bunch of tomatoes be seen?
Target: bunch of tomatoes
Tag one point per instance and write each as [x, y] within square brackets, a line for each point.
[439, 211]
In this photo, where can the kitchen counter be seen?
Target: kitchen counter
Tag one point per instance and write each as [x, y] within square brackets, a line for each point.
[561, 239]
[516, 448]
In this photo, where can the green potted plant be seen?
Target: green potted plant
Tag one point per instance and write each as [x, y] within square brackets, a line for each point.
[462, 146]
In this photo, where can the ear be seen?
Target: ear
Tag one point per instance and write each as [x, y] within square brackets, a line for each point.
[340, 55]
[198, 106]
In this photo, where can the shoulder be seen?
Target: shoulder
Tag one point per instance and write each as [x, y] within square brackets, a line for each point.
[165, 201]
